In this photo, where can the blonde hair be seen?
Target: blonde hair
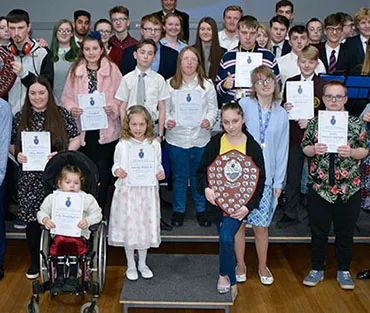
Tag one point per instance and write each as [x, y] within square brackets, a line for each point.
[361, 14]
[268, 73]
[266, 30]
[310, 53]
[137, 109]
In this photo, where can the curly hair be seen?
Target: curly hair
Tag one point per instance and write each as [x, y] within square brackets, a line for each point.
[137, 109]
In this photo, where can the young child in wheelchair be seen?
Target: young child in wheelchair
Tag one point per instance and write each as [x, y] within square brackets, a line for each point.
[67, 250]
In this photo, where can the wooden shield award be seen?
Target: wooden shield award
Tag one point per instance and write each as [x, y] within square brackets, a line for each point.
[233, 177]
[7, 76]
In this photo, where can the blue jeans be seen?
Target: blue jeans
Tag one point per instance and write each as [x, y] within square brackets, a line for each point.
[227, 230]
[184, 164]
[2, 224]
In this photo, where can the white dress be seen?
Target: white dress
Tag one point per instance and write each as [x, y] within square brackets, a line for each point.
[135, 212]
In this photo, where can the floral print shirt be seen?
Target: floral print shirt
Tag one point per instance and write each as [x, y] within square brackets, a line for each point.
[331, 175]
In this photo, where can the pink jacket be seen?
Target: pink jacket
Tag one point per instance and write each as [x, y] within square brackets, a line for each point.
[109, 79]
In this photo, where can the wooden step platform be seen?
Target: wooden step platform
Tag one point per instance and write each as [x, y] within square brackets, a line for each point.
[180, 281]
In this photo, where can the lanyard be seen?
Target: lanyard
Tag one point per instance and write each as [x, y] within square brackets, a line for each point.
[263, 127]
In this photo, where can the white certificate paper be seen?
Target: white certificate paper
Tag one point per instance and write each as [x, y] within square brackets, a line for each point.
[36, 146]
[333, 129]
[93, 116]
[188, 108]
[246, 62]
[67, 213]
[141, 165]
[300, 94]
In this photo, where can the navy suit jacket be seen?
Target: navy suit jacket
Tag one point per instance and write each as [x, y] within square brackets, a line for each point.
[356, 51]
[167, 63]
[185, 20]
[343, 66]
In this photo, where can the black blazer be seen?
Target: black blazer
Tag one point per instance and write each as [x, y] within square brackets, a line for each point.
[286, 48]
[185, 20]
[355, 50]
[212, 150]
[167, 63]
[343, 66]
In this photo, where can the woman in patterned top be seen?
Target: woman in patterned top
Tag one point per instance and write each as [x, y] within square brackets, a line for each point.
[91, 73]
[39, 113]
[335, 189]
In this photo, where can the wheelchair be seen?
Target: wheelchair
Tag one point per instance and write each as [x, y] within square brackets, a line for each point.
[92, 265]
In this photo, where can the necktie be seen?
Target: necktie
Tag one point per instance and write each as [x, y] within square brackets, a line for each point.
[332, 63]
[141, 90]
[275, 49]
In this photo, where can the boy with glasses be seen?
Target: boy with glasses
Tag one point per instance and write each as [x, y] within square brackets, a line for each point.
[121, 39]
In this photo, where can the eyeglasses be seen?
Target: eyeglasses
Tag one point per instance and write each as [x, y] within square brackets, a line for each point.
[334, 98]
[190, 60]
[266, 81]
[334, 29]
[119, 19]
[64, 31]
[104, 32]
[150, 30]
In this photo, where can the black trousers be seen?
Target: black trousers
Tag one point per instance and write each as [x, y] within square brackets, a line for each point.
[33, 235]
[293, 183]
[344, 217]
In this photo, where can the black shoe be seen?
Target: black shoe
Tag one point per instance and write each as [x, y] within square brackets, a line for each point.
[286, 221]
[33, 272]
[202, 220]
[71, 285]
[57, 286]
[177, 219]
[1, 272]
[364, 275]
[165, 226]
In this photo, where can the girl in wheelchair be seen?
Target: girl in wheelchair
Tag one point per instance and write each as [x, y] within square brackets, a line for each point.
[68, 249]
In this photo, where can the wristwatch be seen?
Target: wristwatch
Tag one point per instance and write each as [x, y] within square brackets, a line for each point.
[162, 137]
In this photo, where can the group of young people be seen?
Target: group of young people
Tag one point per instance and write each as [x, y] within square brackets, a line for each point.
[146, 84]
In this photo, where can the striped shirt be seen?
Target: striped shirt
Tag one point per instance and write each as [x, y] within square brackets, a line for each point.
[227, 65]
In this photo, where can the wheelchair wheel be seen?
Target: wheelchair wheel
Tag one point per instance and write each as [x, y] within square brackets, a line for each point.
[100, 246]
[85, 308]
[33, 307]
[44, 247]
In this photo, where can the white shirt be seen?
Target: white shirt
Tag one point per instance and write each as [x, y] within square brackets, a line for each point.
[328, 50]
[307, 79]
[226, 42]
[279, 48]
[188, 137]
[288, 66]
[364, 42]
[155, 90]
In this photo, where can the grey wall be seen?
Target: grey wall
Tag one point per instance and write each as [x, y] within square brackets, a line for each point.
[44, 13]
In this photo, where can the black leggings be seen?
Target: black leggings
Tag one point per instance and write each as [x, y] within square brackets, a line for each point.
[33, 235]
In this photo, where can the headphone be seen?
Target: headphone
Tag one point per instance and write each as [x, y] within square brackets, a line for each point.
[26, 49]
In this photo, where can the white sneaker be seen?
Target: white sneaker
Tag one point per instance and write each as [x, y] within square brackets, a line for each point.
[131, 274]
[145, 272]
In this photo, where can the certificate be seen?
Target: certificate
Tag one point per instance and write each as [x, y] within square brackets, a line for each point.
[188, 108]
[246, 62]
[300, 95]
[141, 165]
[67, 213]
[333, 129]
[93, 116]
[37, 147]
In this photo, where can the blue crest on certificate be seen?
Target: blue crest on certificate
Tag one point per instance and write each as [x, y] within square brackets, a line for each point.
[246, 62]
[141, 165]
[93, 116]
[37, 147]
[188, 109]
[300, 95]
[67, 212]
[333, 129]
